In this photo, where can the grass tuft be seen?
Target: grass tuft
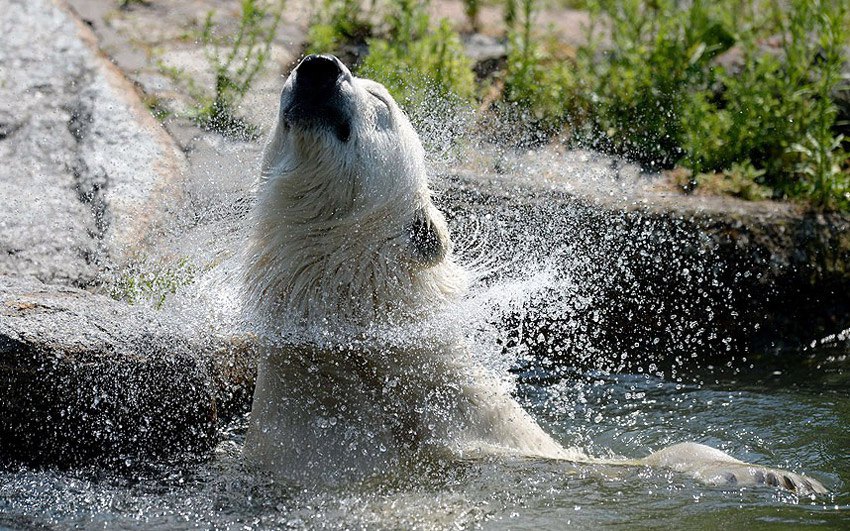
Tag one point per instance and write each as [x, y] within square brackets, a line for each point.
[236, 60]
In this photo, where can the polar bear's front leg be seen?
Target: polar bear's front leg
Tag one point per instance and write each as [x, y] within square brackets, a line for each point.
[714, 467]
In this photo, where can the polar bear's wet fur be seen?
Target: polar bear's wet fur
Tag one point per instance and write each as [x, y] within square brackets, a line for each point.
[348, 254]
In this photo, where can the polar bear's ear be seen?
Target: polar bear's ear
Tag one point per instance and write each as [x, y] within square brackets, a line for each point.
[429, 236]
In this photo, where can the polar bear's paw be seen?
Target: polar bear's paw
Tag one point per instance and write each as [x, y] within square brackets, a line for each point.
[723, 474]
[714, 467]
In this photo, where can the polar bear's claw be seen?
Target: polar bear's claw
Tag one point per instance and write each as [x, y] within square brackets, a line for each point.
[748, 475]
[718, 468]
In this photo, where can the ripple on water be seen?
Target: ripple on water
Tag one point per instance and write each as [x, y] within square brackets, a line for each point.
[780, 427]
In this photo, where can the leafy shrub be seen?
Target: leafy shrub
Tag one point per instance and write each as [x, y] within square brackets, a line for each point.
[153, 282]
[737, 92]
[657, 94]
[423, 68]
[741, 180]
[236, 69]
[339, 22]
[472, 8]
[413, 60]
[539, 84]
[777, 111]
[638, 92]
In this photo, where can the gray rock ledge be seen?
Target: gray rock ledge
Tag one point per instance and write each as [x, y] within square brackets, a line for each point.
[85, 379]
[86, 170]
[659, 274]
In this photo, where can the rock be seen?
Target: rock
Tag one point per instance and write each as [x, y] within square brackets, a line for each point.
[90, 380]
[488, 54]
[87, 176]
[86, 169]
[654, 275]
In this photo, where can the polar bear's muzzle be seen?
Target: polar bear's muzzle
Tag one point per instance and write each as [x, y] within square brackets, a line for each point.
[316, 99]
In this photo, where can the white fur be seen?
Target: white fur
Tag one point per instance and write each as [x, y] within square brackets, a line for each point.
[330, 241]
[346, 386]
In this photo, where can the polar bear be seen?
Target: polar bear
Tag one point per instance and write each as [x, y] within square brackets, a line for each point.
[347, 259]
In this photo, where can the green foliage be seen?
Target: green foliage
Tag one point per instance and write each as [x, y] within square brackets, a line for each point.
[421, 68]
[510, 14]
[658, 94]
[638, 92]
[538, 83]
[737, 92]
[144, 281]
[777, 111]
[338, 23]
[236, 68]
[413, 60]
[157, 107]
[472, 8]
[741, 180]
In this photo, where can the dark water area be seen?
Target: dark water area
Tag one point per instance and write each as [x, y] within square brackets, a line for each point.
[769, 414]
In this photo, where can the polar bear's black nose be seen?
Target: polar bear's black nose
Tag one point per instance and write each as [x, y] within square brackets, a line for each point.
[317, 72]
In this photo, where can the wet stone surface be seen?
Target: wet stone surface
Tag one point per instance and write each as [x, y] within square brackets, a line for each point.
[655, 279]
[86, 379]
[86, 177]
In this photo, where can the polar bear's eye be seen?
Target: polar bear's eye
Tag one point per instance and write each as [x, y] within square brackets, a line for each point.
[383, 112]
[380, 99]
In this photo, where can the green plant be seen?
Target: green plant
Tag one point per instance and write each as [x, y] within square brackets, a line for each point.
[538, 82]
[236, 68]
[660, 55]
[742, 179]
[416, 63]
[157, 106]
[339, 22]
[776, 110]
[510, 14]
[472, 8]
[153, 282]
[657, 94]
[423, 68]
[819, 160]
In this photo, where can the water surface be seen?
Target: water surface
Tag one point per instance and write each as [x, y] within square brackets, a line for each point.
[797, 421]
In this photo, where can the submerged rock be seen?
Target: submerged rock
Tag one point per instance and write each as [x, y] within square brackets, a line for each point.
[86, 379]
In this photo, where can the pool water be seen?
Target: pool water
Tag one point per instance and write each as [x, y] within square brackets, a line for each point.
[796, 420]
[789, 410]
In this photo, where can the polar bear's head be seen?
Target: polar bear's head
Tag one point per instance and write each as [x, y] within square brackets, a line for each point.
[347, 132]
[345, 225]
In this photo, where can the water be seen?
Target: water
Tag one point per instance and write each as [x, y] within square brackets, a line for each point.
[785, 420]
[789, 410]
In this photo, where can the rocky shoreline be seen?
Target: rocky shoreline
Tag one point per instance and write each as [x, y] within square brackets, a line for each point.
[90, 380]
